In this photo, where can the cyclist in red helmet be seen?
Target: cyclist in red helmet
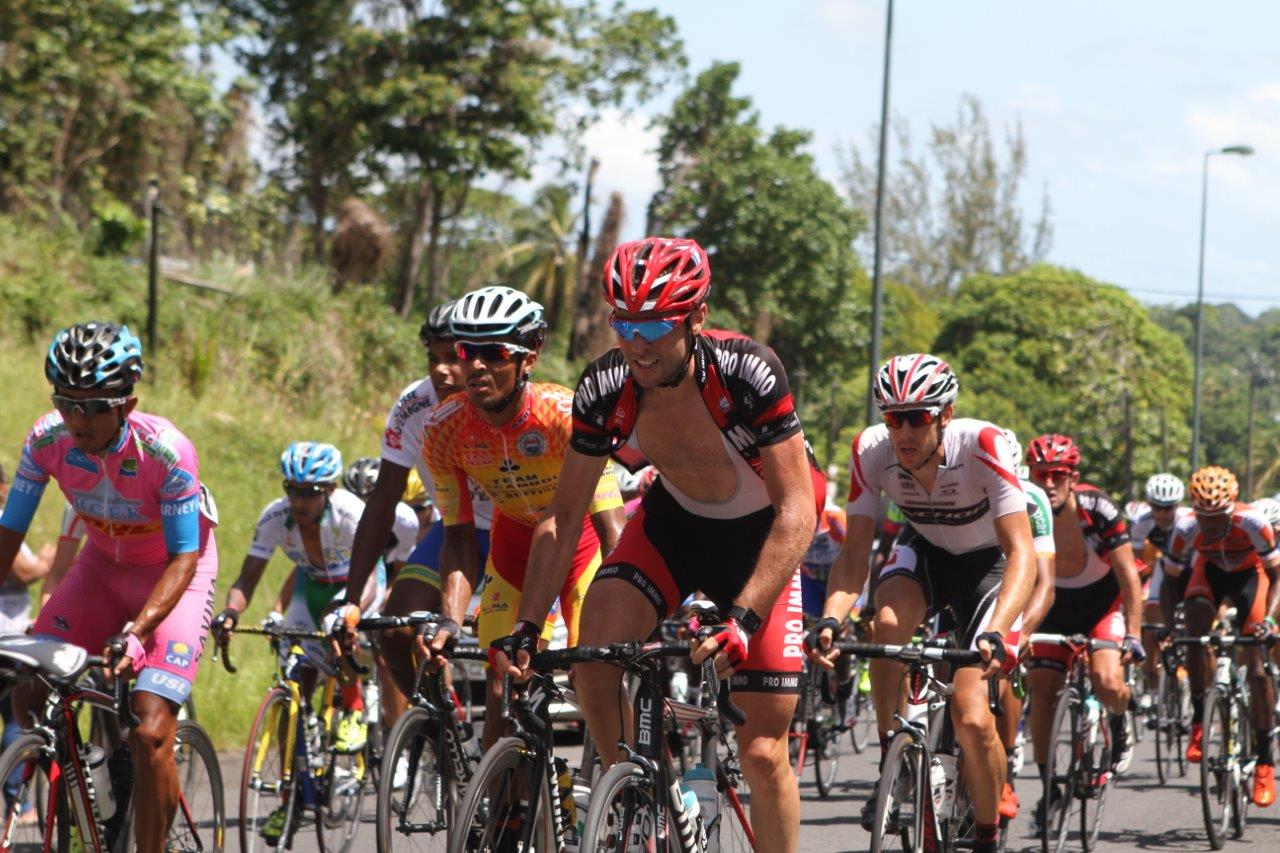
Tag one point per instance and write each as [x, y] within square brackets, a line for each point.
[731, 515]
[1097, 592]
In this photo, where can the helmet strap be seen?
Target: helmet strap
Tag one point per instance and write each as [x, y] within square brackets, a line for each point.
[677, 376]
[522, 379]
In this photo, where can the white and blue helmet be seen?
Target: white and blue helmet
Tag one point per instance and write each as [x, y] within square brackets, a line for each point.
[311, 462]
[498, 312]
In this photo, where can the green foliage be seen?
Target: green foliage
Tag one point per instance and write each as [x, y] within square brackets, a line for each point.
[1051, 350]
[779, 237]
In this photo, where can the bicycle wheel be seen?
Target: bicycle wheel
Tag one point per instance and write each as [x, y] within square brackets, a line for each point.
[798, 744]
[201, 820]
[1185, 711]
[1216, 781]
[1098, 777]
[862, 713]
[412, 809]
[623, 813]
[901, 806]
[25, 812]
[824, 743]
[496, 806]
[1166, 726]
[1242, 789]
[1061, 771]
[264, 791]
[340, 785]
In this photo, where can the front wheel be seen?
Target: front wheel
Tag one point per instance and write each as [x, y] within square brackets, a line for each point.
[267, 802]
[904, 797]
[412, 808]
[623, 813]
[495, 809]
[1216, 783]
[1061, 771]
[26, 812]
[862, 716]
[1244, 750]
[200, 823]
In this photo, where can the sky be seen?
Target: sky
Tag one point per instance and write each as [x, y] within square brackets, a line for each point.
[1119, 101]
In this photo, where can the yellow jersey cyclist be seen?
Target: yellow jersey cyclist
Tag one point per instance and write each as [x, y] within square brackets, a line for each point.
[509, 436]
[314, 524]
[402, 473]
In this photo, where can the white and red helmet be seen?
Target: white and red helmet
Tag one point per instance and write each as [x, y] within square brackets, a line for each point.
[658, 274]
[915, 381]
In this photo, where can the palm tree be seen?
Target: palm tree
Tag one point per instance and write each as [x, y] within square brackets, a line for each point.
[543, 256]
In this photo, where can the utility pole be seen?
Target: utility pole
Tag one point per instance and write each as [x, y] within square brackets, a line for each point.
[877, 284]
[153, 266]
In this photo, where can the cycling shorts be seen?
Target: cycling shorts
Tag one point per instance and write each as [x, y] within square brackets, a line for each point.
[966, 584]
[504, 580]
[667, 553]
[100, 595]
[1246, 591]
[1079, 615]
[424, 563]
[813, 593]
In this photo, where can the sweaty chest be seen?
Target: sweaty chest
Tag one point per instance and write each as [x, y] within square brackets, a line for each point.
[688, 448]
[1069, 542]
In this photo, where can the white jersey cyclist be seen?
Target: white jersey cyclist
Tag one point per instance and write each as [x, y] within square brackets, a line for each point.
[975, 485]
[1041, 519]
[1152, 541]
[402, 444]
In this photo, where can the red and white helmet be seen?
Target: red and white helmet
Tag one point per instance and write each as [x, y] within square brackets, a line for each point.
[1058, 451]
[915, 381]
[659, 274]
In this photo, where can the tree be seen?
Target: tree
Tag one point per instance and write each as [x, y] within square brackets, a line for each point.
[591, 334]
[1051, 350]
[779, 238]
[954, 210]
[544, 257]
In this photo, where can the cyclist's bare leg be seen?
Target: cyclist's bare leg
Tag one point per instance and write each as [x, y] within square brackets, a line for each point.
[1262, 691]
[1200, 613]
[1153, 611]
[155, 779]
[762, 746]
[406, 596]
[392, 700]
[900, 608]
[1043, 685]
[1008, 724]
[614, 611]
[1107, 678]
[984, 762]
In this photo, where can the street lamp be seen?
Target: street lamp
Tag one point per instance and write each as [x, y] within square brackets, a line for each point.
[1243, 151]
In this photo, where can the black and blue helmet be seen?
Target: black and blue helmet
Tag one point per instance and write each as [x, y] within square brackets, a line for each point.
[94, 357]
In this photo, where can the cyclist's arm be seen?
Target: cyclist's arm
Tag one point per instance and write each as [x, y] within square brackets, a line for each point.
[375, 526]
[241, 592]
[10, 545]
[790, 487]
[285, 595]
[458, 558]
[1041, 595]
[1271, 565]
[28, 567]
[1013, 530]
[63, 558]
[849, 571]
[555, 539]
[165, 594]
[1126, 569]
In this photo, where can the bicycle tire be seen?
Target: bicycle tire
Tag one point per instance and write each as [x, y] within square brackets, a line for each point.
[824, 743]
[862, 720]
[1215, 777]
[602, 829]
[411, 740]
[198, 826]
[339, 792]
[477, 810]
[1242, 789]
[903, 782]
[28, 753]
[1098, 771]
[798, 733]
[1166, 726]
[1064, 735]
[1183, 729]
[253, 782]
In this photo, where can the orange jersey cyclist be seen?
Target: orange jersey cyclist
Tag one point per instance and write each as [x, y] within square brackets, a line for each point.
[1229, 551]
[731, 514]
[510, 437]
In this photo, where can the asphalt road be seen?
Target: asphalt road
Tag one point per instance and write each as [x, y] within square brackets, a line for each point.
[1140, 814]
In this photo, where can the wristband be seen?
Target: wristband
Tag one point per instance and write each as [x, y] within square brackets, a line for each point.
[1270, 621]
[747, 618]
[133, 648]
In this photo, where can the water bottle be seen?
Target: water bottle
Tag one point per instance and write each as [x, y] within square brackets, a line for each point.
[937, 781]
[948, 765]
[372, 702]
[1092, 714]
[568, 807]
[104, 798]
[680, 686]
[702, 782]
[581, 804]
[1222, 670]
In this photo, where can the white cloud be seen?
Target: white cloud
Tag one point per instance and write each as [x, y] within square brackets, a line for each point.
[858, 22]
[627, 150]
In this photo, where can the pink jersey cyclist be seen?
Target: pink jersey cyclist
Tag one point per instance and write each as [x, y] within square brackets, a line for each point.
[139, 504]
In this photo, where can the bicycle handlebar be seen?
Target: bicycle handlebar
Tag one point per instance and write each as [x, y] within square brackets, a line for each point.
[922, 653]
[1094, 645]
[1225, 640]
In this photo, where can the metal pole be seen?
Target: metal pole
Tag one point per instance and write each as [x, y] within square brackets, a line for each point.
[1195, 393]
[877, 294]
[1164, 440]
[153, 267]
[1128, 446]
[1248, 437]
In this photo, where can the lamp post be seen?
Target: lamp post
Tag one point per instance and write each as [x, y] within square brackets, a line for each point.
[1243, 151]
[877, 291]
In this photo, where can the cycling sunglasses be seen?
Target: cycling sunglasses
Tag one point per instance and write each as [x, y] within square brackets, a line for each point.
[1050, 475]
[916, 417]
[490, 353]
[307, 490]
[91, 406]
[650, 330]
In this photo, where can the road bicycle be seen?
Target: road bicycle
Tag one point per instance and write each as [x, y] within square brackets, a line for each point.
[817, 728]
[1078, 773]
[84, 795]
[292, 767]
[922, 801]
[1229, 754]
